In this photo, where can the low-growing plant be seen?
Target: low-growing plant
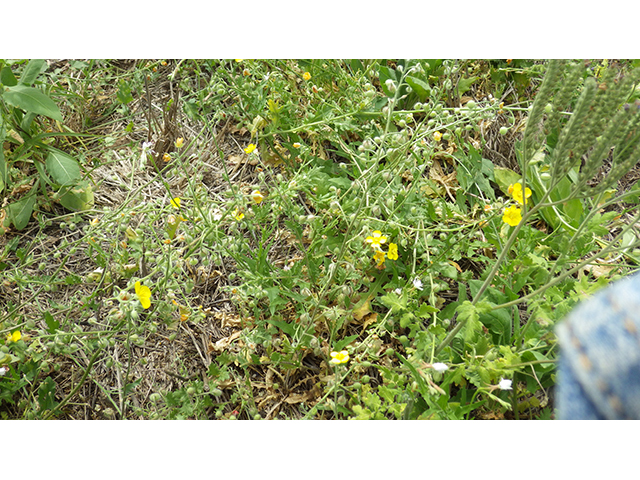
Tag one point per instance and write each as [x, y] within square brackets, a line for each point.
[32, 163]
[328, 239]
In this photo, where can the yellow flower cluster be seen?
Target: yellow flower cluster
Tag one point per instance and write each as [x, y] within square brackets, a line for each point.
[513, 215]
[515, 190]
[376, 240]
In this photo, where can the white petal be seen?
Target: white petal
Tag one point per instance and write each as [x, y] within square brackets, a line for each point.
[440, 367]
[505, 384]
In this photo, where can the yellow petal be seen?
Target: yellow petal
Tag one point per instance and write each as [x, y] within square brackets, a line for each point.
[144, 295]
[393, 251]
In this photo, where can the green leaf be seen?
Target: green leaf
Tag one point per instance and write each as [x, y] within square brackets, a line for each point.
[573, 210]
[465, 84]
[426, 310]
[420, 87]
[470, 314]
[394, 302]
[284, 326]
[63, 168]
[31, 72]
[33, 100]
[124, 93]
[505, 177]
[7, 78]
[467, 311]
[20, 212]
[275, 300]
[344, 342]
[78, 198]
[52, 323]
[47, 394]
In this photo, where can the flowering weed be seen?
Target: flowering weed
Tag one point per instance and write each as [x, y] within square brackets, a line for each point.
[336, 239]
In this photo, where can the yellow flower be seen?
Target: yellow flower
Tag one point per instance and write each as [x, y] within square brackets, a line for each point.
[175, 203]
[437, 136]
[379, 257]
[393, 251]
[257, 196]
[296, 145]
[250, 148]
[306, 76]
[14, 337]
[512, 216]
[166, 157]
[238, 215]
[376, 239]
[179, 142]
[339, 357]
[515, 190]
[246, 72]
[144, 295]
[238, 60]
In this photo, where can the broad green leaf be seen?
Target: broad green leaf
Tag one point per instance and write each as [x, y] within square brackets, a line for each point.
[31, 72]
[7, 78]
[505, 177]
[63, 168]
[32, 100]
[420, 87]
[287, 328]
[78, 198]
[573, 210]
[20, 212]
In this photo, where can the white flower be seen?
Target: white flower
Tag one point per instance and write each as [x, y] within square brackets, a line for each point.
[505, 384]
[398, 291]
[440, 367]
[417, 283]
[3, 370]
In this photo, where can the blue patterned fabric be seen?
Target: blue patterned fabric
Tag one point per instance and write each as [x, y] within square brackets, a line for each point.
[599, 366]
